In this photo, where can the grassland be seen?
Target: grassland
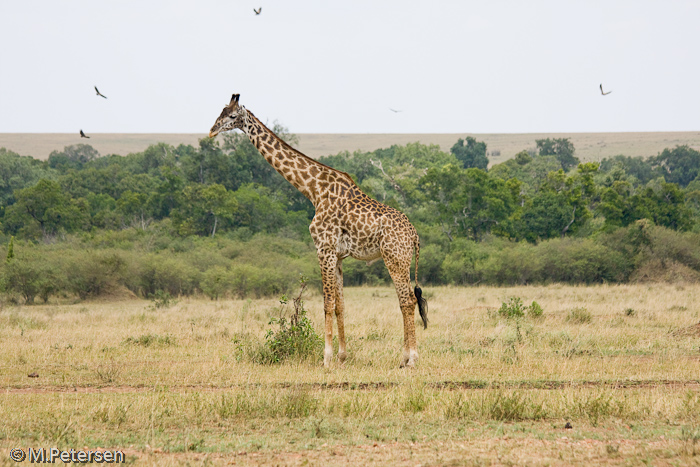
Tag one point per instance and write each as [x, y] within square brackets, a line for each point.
[177, 386]
[589, 146]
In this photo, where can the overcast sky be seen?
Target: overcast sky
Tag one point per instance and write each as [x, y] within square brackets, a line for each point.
[332, 67]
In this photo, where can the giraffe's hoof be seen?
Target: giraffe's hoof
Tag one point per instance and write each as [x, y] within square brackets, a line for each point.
[342, 356]
[409, 359]
[327, 357]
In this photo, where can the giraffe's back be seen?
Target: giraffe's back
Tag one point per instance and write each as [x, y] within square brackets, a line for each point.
[367, 227]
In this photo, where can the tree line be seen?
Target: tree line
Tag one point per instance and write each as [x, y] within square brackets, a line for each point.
[540, 216]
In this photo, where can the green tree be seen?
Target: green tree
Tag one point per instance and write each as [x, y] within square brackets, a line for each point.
[17, 172]
[679, 165]
[468, 201]
[561, 148]
[72, 157]
[204, 209]
[46, 207]
[471, 153]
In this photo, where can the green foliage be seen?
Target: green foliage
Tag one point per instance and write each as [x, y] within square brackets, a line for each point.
[539, 217]
[680, 165]
[535, 310]
[216, 282]
[471, 153]
[10, 250]
[43, 209]
[514, 308]
[72, 157]
[561, 148]
[29, 276]
[17, 172]
[161, 300]
[295, 337]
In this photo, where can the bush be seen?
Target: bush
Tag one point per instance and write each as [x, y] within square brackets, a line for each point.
[30, 275]
[295, 338]
[535, 310]
[514, 308]
[93, 273]
[216, 282]
[167, 273]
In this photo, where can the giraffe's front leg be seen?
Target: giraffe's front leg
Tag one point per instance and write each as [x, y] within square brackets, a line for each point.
[328, 262]
[339, 309]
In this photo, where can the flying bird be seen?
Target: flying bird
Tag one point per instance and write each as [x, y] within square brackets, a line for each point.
[83, 135]
[257, 12]
[395, 111]
[603, 92]
[99, 93]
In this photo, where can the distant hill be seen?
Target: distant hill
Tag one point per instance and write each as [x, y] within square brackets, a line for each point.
[589, 146]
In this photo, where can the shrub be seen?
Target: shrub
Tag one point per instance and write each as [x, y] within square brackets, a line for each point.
[161, 272]
[535, 310]
[30, 275]
[92, 273]
[294, 338]
[216, 282]
[514, 308]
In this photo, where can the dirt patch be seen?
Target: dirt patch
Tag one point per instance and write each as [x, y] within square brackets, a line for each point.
[371, 386]
[556, 449]
[690, 331]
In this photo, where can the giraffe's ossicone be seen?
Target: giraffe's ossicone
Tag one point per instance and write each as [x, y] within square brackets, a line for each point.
[347, 222]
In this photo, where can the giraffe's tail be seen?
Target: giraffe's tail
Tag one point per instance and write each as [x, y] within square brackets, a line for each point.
[422, 302]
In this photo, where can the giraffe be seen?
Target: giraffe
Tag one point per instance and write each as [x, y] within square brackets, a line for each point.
[346, 223]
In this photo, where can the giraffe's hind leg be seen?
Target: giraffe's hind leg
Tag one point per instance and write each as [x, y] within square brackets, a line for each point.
[339, 310]
[399, 271]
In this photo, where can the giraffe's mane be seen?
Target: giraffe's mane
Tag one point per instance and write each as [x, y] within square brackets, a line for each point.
[286, 146]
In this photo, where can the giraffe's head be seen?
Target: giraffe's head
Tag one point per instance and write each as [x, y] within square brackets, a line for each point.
[233, 116]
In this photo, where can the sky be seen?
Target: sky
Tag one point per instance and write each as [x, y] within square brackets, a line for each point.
[340, 67]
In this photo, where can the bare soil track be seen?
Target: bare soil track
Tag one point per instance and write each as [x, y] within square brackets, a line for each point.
[348, 386]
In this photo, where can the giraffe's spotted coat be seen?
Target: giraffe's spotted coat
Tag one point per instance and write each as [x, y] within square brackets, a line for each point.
[347, 223]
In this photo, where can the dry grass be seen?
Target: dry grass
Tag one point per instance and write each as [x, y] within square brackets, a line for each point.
[175, 386]
[589, 146]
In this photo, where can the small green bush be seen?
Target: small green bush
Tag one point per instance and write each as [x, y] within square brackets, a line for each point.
[294, 338]
[535, 310]
[514, 308]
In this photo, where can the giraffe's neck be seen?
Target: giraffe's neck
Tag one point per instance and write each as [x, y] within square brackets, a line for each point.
[307, 175]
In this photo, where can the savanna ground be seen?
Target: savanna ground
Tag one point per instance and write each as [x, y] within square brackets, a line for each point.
[177, 385]
[590, 147]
